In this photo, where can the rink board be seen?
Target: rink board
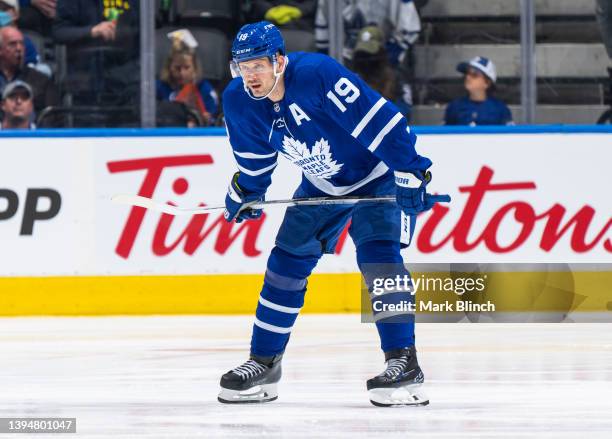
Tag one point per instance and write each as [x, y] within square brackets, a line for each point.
[238, 294]
[518, 197]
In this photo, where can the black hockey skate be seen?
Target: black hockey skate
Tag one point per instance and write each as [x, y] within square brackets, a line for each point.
[399, 384]
[253, 381]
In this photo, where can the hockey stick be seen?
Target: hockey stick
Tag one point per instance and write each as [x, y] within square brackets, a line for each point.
[148, 203]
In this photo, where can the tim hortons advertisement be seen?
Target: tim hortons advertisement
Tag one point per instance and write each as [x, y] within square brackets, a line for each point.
[516, 198]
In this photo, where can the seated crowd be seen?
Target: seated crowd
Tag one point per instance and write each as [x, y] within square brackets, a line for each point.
[96, 80]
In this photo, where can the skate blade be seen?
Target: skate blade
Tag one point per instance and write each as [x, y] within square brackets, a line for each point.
[410, 395]
[262, 393]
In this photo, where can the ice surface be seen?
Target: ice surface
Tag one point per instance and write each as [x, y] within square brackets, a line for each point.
[157, 377]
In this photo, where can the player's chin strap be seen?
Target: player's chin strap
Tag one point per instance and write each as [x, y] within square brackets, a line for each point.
[277, 76]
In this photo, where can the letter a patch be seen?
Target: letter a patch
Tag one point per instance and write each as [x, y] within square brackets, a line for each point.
[298, 114]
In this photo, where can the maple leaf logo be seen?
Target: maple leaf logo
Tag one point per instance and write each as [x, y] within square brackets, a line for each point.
[318, 162]
[294, 149]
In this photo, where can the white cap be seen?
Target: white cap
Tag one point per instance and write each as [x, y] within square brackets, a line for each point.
[11, 3]
[485, 65]
[12, 86]
[183, 35]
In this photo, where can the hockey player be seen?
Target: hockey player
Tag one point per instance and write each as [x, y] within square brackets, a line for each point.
[347, 140]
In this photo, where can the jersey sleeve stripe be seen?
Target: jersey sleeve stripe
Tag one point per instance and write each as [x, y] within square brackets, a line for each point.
[257, 172]
[368, 117]
[250, 155]
[381, 135]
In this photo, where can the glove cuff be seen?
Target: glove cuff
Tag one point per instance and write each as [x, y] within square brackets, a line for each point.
[233, 193]
[407, 180]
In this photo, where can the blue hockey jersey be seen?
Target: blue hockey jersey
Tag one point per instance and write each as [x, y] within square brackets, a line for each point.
[464, 111]
[340, 132]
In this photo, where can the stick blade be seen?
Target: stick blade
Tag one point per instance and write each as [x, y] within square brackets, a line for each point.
[147, 203]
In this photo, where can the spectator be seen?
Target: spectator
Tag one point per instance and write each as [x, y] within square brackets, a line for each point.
[94, 21]
[371, 62]
[37, 15]
[12, 67]
[181, 79]
[400, 23]
[478, 107]
[399, 20]
[103, 49]
[294, 14]
[17, 106]
[9, 14]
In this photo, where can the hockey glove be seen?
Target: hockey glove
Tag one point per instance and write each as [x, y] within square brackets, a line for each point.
[412, 197]
[411, 193]
[237, 203]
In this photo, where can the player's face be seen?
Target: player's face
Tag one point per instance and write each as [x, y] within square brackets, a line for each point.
[475, 81]
[258, 75]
